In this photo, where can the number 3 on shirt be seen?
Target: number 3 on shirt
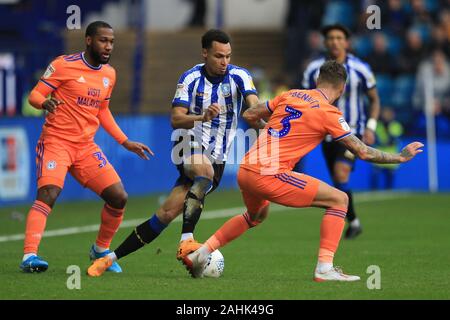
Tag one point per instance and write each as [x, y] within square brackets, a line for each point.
[292, 114]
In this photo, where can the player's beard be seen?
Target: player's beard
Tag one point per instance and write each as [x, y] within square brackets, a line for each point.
[97, 56]
[101, 59]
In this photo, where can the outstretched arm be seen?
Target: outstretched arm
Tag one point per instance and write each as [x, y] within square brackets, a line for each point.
[364, 152]
[109, 124]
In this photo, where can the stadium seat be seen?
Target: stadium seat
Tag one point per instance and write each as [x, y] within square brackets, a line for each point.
[362, 45]
[385, 88]
[339, 12]
[394, 44]
[403, 91]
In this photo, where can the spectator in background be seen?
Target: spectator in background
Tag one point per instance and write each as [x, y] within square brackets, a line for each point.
[380, 60]
[421, 17]
[394, 17]
[198, 13]
[412, 54]
[439, 39]
[436, 70]
[445, 22]
[302, 15]
[387, 139]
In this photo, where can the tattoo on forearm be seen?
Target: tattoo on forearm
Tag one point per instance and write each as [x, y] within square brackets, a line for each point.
[406, 153]
[367, 153]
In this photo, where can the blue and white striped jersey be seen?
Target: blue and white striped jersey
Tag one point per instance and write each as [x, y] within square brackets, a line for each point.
[359, 79]
[196, 90]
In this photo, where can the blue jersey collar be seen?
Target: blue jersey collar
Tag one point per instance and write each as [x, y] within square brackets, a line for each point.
[213, 80]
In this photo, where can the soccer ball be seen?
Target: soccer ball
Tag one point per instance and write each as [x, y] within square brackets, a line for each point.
[214, 265]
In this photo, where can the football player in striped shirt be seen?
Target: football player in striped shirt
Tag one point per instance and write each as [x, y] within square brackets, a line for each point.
[360, 84]
[208, 100]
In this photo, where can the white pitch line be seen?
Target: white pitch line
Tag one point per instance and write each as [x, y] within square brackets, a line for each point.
[213, 214]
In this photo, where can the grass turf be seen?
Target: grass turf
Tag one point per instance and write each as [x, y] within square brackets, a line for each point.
[407, 237]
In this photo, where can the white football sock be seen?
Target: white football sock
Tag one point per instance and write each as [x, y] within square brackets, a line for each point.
[355, 223]
[323, 267]
[99, 249]
[186, 236]
[27, 255]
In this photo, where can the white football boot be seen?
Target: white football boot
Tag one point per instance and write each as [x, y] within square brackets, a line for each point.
[334, 274]
[195, 263]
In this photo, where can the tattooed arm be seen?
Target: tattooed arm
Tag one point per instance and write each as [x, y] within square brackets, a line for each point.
[364, 152]
[257, 114]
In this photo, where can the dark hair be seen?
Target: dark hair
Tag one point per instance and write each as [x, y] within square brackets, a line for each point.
[336, 26]
[92, 28]
[333, 73]
[214, 35]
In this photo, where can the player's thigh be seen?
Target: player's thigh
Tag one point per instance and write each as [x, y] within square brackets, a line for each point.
[293, 189]
[252, 191]
[53, 160]
[198, 165]
[93, 170]
[173, 204]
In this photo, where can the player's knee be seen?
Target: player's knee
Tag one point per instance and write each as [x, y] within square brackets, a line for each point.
[201, 186]
[341, 199]
[119, 200]
[205, 172]
[340, 176]
[167, 215]
[48, 195]
[256, 218]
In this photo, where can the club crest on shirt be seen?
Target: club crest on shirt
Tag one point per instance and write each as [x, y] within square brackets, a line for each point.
[105, 82]
[51, 165]
[48, 73]
[226, 89]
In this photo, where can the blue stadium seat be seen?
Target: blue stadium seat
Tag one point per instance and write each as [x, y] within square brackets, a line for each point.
[385, 86]
[339, 11]
[362, 45]
[403, 91]
[432, 5]
[394, 44]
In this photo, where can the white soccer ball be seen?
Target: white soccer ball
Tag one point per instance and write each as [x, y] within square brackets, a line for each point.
[214, 265]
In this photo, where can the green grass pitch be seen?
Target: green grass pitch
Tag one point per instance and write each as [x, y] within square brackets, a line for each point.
[406, 236]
